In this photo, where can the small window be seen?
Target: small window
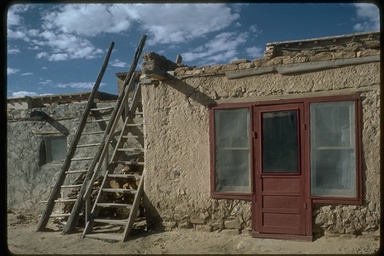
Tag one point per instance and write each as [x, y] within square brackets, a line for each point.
[333, 149]
[232, 150]
[55, 148]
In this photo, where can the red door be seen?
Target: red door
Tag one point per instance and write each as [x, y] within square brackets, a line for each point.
[280, 208]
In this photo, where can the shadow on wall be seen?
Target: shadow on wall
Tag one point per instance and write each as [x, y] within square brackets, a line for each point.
[191, 92]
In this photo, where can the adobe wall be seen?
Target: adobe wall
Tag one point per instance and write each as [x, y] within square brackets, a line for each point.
[29, 180]
[177, 158]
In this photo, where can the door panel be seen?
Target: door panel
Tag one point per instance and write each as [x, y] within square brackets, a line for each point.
[279, 206]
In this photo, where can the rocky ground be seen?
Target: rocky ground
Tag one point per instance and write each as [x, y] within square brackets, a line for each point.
[22, 239]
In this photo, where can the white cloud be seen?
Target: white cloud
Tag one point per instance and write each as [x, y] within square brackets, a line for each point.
[76, 85]
[13, 50]
[23, 93]
[178, 23]
[11, 71]
[118, 63]
[255, 52]
[27, 74]
[368, 15]
[221, 49]
[62, 33]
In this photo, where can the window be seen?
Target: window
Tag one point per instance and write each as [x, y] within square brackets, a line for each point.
[232, 150]
[320, 141]
[55, 148]
[333, 149]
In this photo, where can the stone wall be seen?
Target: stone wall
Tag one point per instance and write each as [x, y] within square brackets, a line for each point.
[29, 180]
[177, 138]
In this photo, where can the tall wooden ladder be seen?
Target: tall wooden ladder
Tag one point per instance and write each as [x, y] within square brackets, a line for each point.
[78, 156]
[117, 203]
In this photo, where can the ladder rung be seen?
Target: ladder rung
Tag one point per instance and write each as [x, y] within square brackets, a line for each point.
[130, 149]
[119, 190]
[97, 120]
[103, 108]
[128, 162]
[66, 200]
[88, 145]
[90, 133]
[122, 175]
[115, 205]
[135, 124]
[59, 215]
[72, 186]
[104, 236]
[76, 172]
[82, 158]
[62, 215]
[111, 221]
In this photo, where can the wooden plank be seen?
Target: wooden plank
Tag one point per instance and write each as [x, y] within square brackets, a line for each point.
[88, 145]
[112, 221]
[118, 175]
[71, 186]
[135, 208]
[102, 108]
[131, 149]
[76, 171]
[119, 190]
[82, 158]
[114, 205]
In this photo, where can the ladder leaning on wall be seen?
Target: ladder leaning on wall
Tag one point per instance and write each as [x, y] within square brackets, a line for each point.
[121, 190]
[66, 180]
[127, 112]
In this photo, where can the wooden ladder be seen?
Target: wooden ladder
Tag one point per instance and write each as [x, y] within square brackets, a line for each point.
[117, 203]
[77, 160]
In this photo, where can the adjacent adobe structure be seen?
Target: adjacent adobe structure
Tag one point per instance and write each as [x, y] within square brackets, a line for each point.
[286, 146]
[39, 132]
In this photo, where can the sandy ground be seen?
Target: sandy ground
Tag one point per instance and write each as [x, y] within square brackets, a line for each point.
[22, 239]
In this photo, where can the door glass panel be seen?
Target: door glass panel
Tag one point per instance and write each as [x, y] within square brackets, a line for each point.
[280, 142]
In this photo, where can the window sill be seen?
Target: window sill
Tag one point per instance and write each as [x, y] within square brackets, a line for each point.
[336, 200]
[241, 196]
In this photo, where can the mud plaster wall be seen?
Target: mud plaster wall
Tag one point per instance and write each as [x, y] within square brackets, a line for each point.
[177, 144]
[29, 180]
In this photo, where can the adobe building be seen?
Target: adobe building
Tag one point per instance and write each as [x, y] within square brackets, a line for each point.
[285, 146]
[39, 132]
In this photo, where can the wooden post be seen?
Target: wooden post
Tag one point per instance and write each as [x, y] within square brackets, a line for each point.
[71, 151]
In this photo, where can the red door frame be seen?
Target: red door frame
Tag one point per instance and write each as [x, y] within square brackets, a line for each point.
[303, 176]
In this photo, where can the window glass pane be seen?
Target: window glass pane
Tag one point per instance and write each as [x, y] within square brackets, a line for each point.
[333, 168]
[232, 166]
[280, 142]
[56, 148]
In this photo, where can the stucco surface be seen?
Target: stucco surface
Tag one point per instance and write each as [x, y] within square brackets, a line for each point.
[177, 143]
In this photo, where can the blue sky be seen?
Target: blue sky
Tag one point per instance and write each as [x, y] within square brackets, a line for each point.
[59, 48]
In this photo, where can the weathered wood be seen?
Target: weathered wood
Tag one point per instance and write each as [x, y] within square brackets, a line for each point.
[85, 190]
[71, 151]
[135, 208]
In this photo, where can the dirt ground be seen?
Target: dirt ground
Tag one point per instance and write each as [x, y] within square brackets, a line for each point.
[22, 239]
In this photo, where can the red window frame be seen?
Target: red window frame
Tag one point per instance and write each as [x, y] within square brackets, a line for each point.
[306, 144]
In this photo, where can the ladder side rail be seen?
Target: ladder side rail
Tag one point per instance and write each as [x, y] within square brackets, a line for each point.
[71, 151]
[135, 207]
[78, 206]
[129, 119]
[105, 149]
